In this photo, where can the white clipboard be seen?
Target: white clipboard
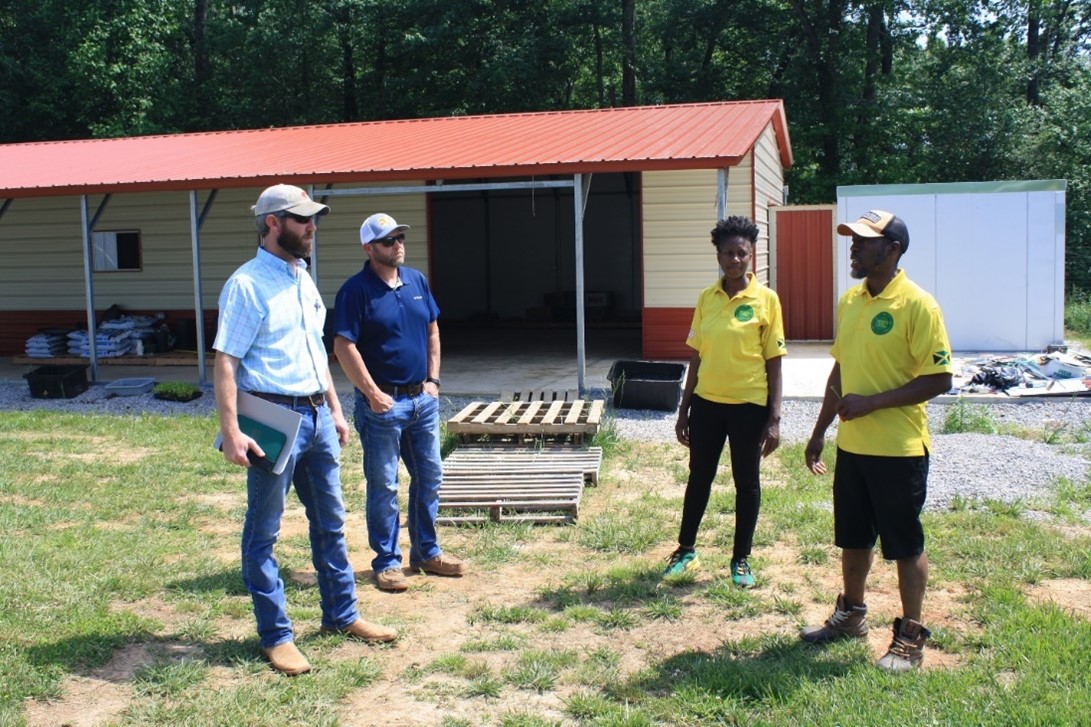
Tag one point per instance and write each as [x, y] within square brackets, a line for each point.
[282, 419]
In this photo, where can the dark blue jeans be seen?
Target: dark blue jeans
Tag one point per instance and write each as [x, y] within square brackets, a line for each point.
[409, 431]
[314, 467]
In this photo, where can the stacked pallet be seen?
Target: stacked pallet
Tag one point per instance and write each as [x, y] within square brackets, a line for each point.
[540, 395]
[521, 460]
[585, 460]
[543, 485]
[526, 421]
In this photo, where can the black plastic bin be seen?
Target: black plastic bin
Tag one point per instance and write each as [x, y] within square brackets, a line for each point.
[57, 382]
[646, 384]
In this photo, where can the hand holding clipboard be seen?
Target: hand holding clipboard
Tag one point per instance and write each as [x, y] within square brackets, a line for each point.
[274, 428]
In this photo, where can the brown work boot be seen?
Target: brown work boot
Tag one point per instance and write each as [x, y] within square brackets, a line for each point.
[364, 631]
[392, 579]
[907, 649]
[441, 565]
[287, 659]
[846, 621]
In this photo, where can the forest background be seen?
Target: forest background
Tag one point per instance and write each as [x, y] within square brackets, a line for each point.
[880, 92]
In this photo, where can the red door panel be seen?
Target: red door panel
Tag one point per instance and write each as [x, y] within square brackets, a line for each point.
[804, 280]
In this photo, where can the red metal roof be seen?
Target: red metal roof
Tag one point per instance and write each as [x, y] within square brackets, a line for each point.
[639, 138]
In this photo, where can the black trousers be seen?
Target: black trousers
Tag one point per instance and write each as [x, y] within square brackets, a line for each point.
[710, 426]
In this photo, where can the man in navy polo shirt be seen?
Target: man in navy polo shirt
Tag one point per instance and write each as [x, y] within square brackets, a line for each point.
[388, 345]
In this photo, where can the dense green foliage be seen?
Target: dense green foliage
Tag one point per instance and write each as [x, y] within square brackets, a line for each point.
[879, 91]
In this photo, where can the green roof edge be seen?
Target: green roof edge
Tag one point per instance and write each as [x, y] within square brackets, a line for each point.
[872, 190]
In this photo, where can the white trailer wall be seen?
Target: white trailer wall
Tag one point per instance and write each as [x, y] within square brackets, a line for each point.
[992, 253]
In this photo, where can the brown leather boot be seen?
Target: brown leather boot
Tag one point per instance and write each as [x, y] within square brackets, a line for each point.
[391, 579]
[364, 631]
[907, 649]
[846, 621]
[287, 659]
[443, 564]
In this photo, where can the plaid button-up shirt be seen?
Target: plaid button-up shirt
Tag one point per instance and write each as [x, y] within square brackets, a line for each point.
[271, 319]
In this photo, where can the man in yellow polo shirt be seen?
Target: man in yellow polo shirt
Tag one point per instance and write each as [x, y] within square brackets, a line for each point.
[891, 355]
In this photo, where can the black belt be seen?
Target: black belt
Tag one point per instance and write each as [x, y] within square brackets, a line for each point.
[312, 400]
[392, 390]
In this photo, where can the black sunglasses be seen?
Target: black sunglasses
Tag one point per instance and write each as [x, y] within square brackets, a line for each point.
[389, 241]
[298, 218]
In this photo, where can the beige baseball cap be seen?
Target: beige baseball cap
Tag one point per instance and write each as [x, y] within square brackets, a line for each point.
[286, 198]
[878, 223]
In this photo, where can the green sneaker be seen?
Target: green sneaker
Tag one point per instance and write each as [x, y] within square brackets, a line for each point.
[681, 561]
[740, 573]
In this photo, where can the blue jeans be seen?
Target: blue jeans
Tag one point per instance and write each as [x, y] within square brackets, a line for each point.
[314, 467]
[410, 430]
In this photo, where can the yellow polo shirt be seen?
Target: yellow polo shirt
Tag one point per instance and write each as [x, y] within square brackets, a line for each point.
[883, 343]
[735, 336]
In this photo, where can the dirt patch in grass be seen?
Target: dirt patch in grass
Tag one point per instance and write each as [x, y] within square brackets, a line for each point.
[91, 449]
[224, 501]
[96, 699]
[20, 500]
[1072, 531]
[87, 702]
[111, 455]
[1071, 594]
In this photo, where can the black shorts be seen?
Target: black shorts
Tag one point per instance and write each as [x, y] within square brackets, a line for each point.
[880, 498]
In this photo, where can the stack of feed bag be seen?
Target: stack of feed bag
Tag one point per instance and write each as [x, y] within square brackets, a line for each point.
[47, 343]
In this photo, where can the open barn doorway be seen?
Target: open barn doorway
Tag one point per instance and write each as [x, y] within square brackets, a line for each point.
[505, 259]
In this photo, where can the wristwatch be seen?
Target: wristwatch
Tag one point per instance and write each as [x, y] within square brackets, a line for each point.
[432, 380]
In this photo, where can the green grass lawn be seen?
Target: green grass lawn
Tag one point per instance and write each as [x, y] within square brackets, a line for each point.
[121, 603]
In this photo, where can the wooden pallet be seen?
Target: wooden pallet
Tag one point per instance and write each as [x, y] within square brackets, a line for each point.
[528, 420]
[540, 395]
[486, 460]
[510, 495]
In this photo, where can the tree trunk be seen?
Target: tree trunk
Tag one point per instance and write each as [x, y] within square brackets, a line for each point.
[1033, 53]
[202, 66]
[348, 64]
[599, 81]
[822, 32]
[872, 61]
[873, 52]
[628, 56]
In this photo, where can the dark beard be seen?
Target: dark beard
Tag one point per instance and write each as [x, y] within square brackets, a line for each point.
[388, 257]
[293, 244]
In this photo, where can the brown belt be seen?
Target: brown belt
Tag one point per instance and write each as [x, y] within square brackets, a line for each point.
[312, 400]
[392, 390]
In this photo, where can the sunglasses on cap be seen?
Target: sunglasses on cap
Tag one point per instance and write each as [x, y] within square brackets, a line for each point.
[389, 241]
[298, 218]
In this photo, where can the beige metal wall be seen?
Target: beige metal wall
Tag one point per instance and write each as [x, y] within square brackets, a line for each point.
[679, 210]
[43, 247]
[43, 258]
[768, 187]
[340, 254]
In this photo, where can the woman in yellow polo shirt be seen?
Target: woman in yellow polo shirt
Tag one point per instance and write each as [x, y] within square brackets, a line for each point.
[732, 394]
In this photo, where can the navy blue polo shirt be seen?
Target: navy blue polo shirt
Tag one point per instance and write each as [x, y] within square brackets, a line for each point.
[388, 325]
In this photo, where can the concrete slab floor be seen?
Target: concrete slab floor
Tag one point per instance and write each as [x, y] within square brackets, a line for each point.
[486, 362]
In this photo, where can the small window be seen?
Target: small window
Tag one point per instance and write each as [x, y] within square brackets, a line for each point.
[117, 251]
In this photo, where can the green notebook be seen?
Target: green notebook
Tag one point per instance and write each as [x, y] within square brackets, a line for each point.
[270, 440]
